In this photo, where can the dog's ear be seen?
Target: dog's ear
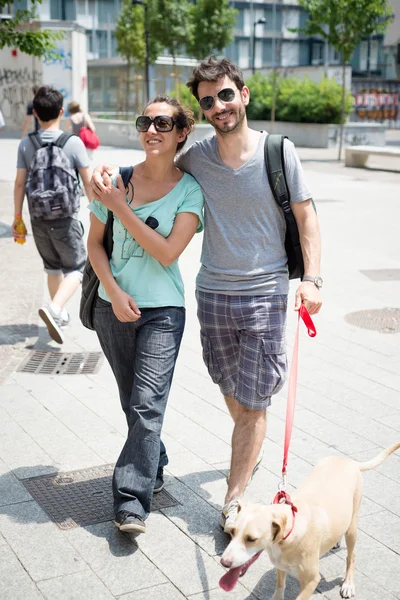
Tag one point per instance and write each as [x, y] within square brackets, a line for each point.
[278, 525]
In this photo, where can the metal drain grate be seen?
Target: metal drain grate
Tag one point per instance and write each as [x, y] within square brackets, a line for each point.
[385, 320]
[382, 274]
[61, 363]
[81, 498]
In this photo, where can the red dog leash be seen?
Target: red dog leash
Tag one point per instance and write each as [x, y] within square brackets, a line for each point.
[282, 495]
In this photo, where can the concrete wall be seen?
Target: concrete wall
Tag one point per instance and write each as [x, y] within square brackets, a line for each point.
[315, 135]
[64, 68]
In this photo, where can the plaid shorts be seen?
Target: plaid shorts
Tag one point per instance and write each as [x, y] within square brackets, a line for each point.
[60, 245]
[244, 346]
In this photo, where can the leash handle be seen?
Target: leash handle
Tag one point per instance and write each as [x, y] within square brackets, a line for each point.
[291, 403]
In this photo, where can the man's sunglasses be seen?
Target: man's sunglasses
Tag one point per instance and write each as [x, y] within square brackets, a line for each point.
[226, 95]
[162, 123]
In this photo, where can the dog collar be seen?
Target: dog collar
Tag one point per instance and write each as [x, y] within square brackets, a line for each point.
[284, 498]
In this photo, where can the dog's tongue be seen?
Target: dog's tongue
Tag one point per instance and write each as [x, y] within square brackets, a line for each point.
[230, 579]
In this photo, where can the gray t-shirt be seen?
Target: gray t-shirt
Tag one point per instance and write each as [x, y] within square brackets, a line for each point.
[244, 229]
[74, 149]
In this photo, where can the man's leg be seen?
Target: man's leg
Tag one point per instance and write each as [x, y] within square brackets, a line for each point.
[232, 407]
[247, 439]
[66, 289]
[53, 283]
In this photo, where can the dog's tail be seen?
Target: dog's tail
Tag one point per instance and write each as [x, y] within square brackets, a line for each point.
[366, 466]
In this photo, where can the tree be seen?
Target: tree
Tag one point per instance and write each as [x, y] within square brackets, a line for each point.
[343, 24]
[130, 36]
[15, 32]
[213, 23]
[173, 26]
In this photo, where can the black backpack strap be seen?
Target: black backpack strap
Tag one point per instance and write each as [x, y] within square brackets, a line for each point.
[36, 140]
[126, 174]
[275, 165]
[63, 139]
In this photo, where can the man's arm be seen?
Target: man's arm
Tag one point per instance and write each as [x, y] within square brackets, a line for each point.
[310, 240]
[25, 128]
[84, 172]
[19, 196]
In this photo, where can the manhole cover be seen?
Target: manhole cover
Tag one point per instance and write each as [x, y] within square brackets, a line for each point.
[385, 320]
[61, 363]
[81, 498]
[382, 274]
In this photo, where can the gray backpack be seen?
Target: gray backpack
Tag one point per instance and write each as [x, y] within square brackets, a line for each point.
[52, 186]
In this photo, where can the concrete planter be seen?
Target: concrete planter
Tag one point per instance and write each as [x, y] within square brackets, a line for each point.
[316, 135]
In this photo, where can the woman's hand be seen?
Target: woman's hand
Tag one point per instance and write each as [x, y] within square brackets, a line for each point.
[112, 197]
[101, 180]
[124, 307]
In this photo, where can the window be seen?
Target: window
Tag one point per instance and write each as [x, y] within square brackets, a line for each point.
[244, 54]
[364, 55]
[373, 55]
[317, 54]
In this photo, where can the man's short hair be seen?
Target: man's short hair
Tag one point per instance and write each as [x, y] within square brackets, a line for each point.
[47, 103]
[212, 70]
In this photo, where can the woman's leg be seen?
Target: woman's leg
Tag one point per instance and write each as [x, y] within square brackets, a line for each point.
[158, 337]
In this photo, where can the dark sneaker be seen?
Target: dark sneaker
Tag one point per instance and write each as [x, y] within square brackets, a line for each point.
[129, 522]
[159, 483]
[53, 323]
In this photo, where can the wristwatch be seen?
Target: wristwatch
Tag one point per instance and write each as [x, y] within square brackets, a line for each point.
[315, 280]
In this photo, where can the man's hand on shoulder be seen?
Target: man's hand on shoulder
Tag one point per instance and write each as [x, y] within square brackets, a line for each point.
[101, 180]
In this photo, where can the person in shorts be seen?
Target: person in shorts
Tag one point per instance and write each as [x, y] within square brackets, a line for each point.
[59, 241]
[243, 283]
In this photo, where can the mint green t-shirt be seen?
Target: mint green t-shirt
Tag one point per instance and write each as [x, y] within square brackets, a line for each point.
[138, 273]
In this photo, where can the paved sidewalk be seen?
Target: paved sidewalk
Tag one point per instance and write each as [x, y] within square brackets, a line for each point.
[348, 403]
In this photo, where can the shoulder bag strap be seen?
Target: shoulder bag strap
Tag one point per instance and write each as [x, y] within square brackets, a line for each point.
[36, 140]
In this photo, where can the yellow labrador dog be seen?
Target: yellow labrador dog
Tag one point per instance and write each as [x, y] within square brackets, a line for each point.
[327, 505]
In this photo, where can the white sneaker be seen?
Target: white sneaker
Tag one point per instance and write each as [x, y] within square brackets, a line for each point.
[229, 514]
[53, 323]
[255, 469]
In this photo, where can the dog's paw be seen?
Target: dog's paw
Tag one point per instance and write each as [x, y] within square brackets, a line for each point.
[348, 590]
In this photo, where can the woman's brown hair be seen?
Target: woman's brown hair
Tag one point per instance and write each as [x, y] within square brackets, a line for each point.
[184, 117]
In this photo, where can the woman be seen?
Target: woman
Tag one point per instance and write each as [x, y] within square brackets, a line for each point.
[77, 120]
[139, 315]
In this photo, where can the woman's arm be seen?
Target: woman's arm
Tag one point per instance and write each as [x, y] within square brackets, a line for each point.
[124, 307]
[89, 123]
[165, 250]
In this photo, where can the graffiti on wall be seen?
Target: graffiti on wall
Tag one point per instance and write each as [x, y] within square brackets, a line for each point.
[376, 105]
[59, 57]
[16, 92]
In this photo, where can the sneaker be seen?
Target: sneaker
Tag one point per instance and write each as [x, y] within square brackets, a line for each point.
[159, 483]
[53, 323]
[129, 522]
[228, 515]
[255, 469]
[65, 318]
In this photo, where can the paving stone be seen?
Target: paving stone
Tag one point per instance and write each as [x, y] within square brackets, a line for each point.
[15, 583]
[18, 449]
[11, 490]
[239, 593]
[382, 490]
[160, 592]
[390, 467]
[185, 564]
[39, 545]
[76, 586]
[383, 526]
[115, 558]
[392, 420]
[372, 557]
[366, 588]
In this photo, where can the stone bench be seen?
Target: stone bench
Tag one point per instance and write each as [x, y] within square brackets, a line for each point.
[357, 156]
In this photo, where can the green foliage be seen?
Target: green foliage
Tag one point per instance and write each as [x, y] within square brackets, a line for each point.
[186, 98]
[173, 24]
[14, 33]
[297, 100]
[343, 23]
[129, 33]
[213, 23]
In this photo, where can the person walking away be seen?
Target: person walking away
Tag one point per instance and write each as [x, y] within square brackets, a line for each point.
[243, 283]
[139, 314]
[29, 115]
[79, 119]
[46, 172]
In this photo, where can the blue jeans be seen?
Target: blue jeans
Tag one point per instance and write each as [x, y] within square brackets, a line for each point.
[142, 356]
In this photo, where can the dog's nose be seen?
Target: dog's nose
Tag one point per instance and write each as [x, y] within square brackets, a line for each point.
[226, 562]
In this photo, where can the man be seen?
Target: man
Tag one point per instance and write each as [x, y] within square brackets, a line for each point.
[243, 282]
[29, 115]
[58, 240]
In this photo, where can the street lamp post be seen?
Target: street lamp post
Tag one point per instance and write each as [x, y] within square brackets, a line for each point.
[260, 21]
[146, 41]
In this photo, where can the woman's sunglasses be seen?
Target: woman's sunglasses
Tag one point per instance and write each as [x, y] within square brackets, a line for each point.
[226, 95]
[162, 123]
